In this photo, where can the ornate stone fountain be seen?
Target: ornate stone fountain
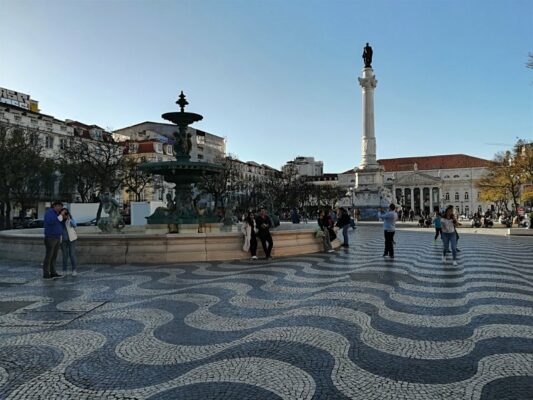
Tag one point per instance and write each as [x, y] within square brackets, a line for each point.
[184, 173]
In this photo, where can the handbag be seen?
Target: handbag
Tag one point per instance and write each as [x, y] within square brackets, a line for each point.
[72, 235]
[319, 233]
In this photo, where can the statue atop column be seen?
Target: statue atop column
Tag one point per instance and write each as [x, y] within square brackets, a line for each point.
[367, 56]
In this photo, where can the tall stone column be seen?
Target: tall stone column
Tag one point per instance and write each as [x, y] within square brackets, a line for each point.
[368, 141]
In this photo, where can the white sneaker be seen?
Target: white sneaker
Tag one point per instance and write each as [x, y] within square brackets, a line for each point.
[74, 273]
[443, 259]
[331, 251]
[454, 263]
[254, 257]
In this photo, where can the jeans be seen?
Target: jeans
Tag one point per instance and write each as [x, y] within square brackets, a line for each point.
[447, 238]
[389, 243]
[326, 241]
[49, 263]
[345, 234]
[266, 237]
[438, 231]
[68, 250]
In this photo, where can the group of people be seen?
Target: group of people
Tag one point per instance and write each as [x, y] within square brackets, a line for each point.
[445, 226]
[329, 222]
[59, 232]
[255, 227]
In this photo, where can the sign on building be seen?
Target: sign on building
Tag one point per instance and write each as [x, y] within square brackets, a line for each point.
[18, 99]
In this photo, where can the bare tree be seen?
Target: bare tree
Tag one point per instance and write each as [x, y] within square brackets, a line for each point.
[134, 179]
[219, 185]
[23, 170]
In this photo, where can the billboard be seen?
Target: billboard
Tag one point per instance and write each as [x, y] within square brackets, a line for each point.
[18, 99]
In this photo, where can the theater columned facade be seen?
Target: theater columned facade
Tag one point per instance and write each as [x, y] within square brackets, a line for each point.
[423, 183]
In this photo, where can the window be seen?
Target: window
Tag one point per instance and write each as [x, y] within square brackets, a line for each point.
[456, 196]
[467, 210]
[446, 176]
[478, 195]
[168, 149]
[200, 156]
[33, 121]
[49, 142]
[456, 176]
[158, 147]
[466, 195]
[63, 144]
[447, 197]
[63, 128]
[133, 147]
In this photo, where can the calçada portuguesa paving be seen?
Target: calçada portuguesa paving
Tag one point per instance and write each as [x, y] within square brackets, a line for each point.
[346, 325]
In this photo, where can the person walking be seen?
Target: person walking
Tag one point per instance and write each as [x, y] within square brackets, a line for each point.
[264, 224]
[438, 226]
[344, 223]
[249, 229]
[53, 230]
[389, 226]
[449, 234]
[68, 242]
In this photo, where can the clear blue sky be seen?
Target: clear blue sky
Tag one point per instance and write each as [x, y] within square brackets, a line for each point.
[278, 78]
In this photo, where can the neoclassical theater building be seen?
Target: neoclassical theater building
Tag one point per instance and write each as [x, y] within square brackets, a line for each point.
[422, 183]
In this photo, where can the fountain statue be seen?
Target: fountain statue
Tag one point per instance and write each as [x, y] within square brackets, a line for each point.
[113, 223]
[184, 173]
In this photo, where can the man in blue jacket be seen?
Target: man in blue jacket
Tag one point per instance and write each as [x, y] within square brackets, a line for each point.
[53, 230]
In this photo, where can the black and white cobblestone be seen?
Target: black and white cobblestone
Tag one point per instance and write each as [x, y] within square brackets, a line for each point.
[346, 325]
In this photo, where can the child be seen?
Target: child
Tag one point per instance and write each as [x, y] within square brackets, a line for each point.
[438, 226]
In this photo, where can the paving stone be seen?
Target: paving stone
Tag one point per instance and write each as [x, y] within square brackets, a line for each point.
[345, 325]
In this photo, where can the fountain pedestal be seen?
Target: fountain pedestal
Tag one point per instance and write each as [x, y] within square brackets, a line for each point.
[181, 211]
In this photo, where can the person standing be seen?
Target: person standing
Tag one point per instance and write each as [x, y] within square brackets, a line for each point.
[449, 235]
[68, 242]
[389, 226]
[53, 230]
[249, 229]
[344, 223]
[264, 224]
[324, 223]
[438, 226]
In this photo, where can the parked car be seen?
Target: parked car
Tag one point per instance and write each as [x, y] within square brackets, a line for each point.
[91, 222]
[35, 223]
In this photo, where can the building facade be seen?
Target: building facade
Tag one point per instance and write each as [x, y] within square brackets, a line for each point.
[206, 146]
[304, 166]
[423, 183]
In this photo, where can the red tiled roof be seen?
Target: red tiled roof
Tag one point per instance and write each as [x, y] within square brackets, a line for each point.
[449, 161]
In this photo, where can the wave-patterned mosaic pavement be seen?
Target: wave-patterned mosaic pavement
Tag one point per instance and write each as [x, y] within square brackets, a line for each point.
[347, 325]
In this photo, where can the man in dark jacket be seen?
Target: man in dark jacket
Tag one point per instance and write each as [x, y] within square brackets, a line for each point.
[53, 230]
[264, 224]
[343, 222]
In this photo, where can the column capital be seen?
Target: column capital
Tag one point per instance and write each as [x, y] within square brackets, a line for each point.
[368, 83]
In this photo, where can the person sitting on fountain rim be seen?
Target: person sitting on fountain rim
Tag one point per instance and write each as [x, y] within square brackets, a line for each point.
[264, 224]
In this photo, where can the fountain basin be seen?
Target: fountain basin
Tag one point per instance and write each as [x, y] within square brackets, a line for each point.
[182, 171]
[134, 246]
